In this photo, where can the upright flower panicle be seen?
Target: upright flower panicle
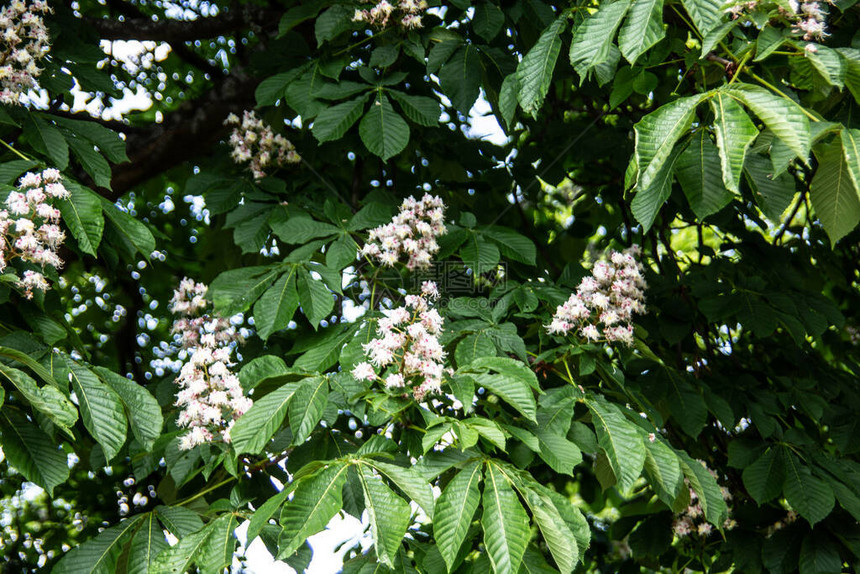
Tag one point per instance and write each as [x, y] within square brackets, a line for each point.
[407, 348]
[406, 14]
[412, 234]
[808, 17]
[254, 141]
[23, 44]
[29, 228]
[210, 394]
[604, 303]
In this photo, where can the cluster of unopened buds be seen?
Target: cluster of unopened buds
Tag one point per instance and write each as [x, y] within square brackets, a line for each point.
[29, 228]
[407, 351]
[406, 14]
[210, 395]
[412, 233]
[604, 303]
[254, 141]
[24, 42]
[692, 520]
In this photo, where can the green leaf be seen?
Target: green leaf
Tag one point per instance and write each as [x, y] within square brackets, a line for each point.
[534, 73]
[143, 411]
[472, 347]
[47, 140]
[178, 520]
[735, 132]
[332, 23]
[851, 149]
[832, 192]
[769, 39]
[460, 78]
[216, 553]
[307, 407]
[482, 256]
[819, 554]
[260, 518]
[409, 481]
[488, 20]
[706, 488]
[507, 107]
[235, 290]
[422, 110]
[333, 122]
[133, 235]
[384, 56]
[317, 301]
[91, 160]
[101, 409]
[772, 194]
[716, 35]
[99, 555]
[274, 87]
[82, 213]
[698, 172]
[32, 452]
[558, 536]
[301, 229]
[182, 555]
[851, 62]
[828, 63]
[388, 514]
[48, 399]
[706, 14]
[663, 471]
[593, 37]
[513, 391]
[146, 544]
[619, 439]
[455, 508]
[642, 29]
[764, 478]
[275, 309]
[253, 430]
[108, 141]
[784, 117]
[382, 130]
[511, 244]
[317, 499]
[558, 452]
[810, 496]
[656, 135]
[686, 404]
[648, 200]
[504, 522]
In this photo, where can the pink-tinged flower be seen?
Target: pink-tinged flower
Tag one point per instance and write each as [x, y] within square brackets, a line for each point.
[364, 372]
[411, 234]
[254, 141]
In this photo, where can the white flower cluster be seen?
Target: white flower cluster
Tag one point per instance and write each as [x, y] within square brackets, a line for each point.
[412, 233]
[24, 42]
[29, 227]
[807, 16]
[604, 303]
[692, 520]
[408, 348]
[210, 394]
[406, 14]
[254, 141]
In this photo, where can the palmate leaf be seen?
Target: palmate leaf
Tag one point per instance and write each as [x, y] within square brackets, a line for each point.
[410, 482]
[706, 488]
[784, 117]
[101, 408]
[31, 451]
[389, 515]
[642, 29]
[455, 508]
[382, 129]
[656, 135]
[317, 301]
[275, 309]
[648, 200]
[82, 213]
[99, 555]
[534, 73]
[851, 149]
[460, 77]
[810, 496]
[234, 291]
[772, 194]
[619, 439]
[307, 407]
[216, 553]
[513, 391]
[422, 110]
[178, 520]
[47, 399]
[698, 172]
[663, 471]
[558, 536]
[764, 478]
[317, 499]
[332, 123]
[146, 544]
[504, 522]
[833, 195]
[143, 411]
[180, 557]
[706, 14]
[593, 37]
[735, 132]
[254, 429]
